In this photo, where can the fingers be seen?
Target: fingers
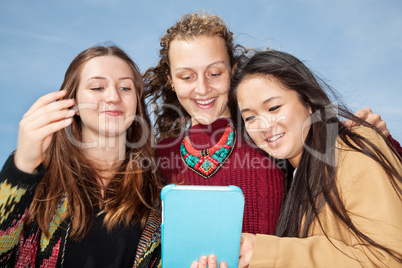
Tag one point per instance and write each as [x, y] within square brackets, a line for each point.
[371, 118]
[363, 113]
[34, 131]
[349, 123]
[223, 265]
[375, 120]
[194, 264]
[246, 249]
[42, 113]
[49, 108]
[51, 128]
[243, 263]
[30, 146]
[202, 263]
[46, 119]
[247, 243]
[46, 99]
[210, 262]
[43, 119]
[382, 126]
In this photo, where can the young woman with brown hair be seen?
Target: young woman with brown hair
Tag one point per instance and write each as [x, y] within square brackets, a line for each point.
[74, 193]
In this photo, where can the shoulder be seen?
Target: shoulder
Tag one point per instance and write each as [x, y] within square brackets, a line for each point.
[148, 250]
[370, 134]
[164, 147]
[371, 137]
[356, 168]
[171, 141]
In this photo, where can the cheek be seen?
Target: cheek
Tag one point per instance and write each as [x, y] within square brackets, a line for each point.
[184, 101]
[132, 104]
[222, 87]
[302, 119]
[87, 99]
[253, 133]
[300, 124]
[183, 93]
[133, 108]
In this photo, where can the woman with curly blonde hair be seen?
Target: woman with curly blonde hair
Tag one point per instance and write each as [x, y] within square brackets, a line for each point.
[198, 141]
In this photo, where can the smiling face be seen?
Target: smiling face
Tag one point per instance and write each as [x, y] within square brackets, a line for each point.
[200, 74]
[275, 118]
[106, 98]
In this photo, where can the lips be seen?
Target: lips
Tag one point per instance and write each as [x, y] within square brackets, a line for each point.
[205, 102]
[275, 137]
[113, 112]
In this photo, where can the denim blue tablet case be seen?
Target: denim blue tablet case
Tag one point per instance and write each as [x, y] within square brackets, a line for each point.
[201, 220]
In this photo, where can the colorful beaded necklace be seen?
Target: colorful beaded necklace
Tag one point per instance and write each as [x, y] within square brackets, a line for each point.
[207, 162]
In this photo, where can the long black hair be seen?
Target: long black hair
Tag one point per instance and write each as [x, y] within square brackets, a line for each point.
[314, 183]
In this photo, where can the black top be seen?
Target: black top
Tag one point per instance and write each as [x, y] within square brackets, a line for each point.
[102, 249]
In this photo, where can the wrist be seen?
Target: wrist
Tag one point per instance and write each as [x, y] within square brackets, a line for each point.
[24, 165]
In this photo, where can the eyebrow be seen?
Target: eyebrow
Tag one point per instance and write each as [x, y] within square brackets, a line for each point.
[214, 63]
[104, 78]
[264, 102]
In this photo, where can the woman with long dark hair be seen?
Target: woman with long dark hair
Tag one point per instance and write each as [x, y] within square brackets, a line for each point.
[343, 206]
[75, 192]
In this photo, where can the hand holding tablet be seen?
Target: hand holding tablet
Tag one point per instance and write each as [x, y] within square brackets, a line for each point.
[201, 220]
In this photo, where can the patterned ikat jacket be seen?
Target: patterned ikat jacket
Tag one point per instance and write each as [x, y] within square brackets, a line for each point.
[30, 248]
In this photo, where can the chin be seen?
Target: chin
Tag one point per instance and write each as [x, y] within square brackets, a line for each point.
[206, 120]
[113, 132]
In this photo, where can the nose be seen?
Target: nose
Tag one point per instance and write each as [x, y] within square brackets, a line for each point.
[202, 86]
[112, 95]
[265, 124]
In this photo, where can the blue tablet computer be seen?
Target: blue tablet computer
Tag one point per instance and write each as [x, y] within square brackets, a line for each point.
[201, 220]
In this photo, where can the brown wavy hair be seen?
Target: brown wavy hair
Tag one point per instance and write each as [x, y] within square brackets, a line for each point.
[131, 194]
[158, 91]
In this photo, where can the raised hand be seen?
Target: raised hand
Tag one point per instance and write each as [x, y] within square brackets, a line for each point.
[370, 117]
[39, 123]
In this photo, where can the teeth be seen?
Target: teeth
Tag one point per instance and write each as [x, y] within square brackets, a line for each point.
[205, 102]
[274, 138]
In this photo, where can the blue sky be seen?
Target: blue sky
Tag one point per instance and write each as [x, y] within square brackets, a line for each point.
[355, 45]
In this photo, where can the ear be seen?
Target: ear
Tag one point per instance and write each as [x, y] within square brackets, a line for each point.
[234, 69]
[170, 81]
[77, 112]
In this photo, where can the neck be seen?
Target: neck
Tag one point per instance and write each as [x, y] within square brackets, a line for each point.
[225, 114]
[295, 161]
[107, 153]
[206, 136]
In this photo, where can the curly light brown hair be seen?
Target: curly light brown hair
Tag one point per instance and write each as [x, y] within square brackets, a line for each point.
[171, 118]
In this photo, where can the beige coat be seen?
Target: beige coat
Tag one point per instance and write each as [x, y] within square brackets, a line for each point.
[373, 206]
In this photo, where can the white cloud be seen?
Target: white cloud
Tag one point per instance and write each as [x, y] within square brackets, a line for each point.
[28, 35]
